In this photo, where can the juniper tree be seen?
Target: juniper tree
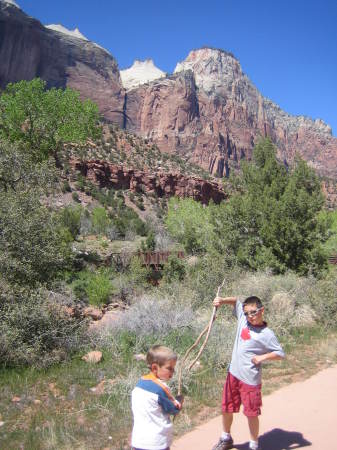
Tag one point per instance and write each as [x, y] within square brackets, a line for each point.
[276, 221]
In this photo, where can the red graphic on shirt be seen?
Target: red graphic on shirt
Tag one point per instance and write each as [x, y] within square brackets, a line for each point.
[245, 334]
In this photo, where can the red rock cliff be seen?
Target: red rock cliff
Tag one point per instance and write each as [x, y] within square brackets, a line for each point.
[105, 174]
[210, 110]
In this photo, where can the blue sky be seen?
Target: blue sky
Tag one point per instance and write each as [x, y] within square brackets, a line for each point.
[288, 48]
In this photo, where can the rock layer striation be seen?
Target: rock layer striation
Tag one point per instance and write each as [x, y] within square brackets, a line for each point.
[161, 184]
[208, 110]
[211, 111]
[28, 50]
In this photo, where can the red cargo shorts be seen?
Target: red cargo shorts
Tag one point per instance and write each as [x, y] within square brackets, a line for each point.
[236, 392]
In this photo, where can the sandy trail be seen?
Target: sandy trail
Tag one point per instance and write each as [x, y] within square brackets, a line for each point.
[299, 415]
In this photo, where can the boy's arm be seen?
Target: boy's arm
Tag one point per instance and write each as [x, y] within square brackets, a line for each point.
[274, 351]
[168, 406]
[218, 301]
[272, 356]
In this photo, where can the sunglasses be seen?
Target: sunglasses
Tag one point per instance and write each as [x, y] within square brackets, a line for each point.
[252, 313]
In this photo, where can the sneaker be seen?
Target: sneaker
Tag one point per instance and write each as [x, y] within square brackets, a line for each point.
[224, 444]
[254, 448]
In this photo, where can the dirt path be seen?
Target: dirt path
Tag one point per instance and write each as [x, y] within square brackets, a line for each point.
[298, 415]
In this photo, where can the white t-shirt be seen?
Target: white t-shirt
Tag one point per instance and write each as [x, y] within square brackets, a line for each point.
[250, 341]
[151, 408]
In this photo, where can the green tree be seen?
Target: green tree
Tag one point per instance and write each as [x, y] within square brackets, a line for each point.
[71, 219]
[276, 222]
[41, 121]
[189, 223]
[34, 247]
[174, 269]
[150, 243]
[100, 220]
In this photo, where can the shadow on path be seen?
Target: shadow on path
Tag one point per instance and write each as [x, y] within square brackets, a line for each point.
[278, 439]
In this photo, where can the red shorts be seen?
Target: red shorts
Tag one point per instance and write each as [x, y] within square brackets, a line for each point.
[236, 392]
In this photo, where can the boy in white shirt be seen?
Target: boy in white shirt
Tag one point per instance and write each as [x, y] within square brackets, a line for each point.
[153, 402]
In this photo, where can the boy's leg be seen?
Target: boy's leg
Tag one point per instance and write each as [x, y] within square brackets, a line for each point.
[252, 402]
[227, 420]
[253, 423]
[230, 404]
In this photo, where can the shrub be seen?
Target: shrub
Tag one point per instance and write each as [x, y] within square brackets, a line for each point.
[35, 331]
[100, 220]
[71, 219]
[189, 222]
[125, 219]
[34, 246]
[75, 197]
[174, 269]
[95, 288]
[291, 301]
[66, 187]
[99, 289]
[150, 243]
[137, 272]
[155, 316]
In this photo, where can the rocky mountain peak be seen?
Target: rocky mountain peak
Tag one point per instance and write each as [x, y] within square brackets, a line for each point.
[212, 68]
[61, 29]
[140, 72]
[10, 2]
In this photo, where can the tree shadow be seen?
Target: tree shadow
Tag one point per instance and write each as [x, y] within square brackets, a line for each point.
[278, 439]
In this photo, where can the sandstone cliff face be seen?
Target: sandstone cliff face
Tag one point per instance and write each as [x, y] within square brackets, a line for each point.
[28, 50]
[162, 184]
[210, 110]
[166, 111]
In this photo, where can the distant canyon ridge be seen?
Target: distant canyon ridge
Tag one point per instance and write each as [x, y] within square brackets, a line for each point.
[207, 110]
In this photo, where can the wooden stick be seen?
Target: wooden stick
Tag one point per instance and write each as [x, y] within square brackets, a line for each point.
[207, 330]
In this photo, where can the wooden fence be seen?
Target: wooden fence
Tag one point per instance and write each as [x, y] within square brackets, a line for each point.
[332, 259]
[158, 259]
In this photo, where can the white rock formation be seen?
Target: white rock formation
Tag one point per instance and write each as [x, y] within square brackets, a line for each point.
[11, 2]
[140, 72]
[61, 29]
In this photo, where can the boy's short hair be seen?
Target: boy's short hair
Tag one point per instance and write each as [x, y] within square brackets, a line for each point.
[159, 354]
[253, 300]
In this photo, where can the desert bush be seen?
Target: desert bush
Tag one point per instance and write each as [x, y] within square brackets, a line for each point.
[94, 287]
[218, 350]
[207, 274]
[35, 331]
[189, 223]
[163, 240]
[34, 247]
[71, 219]
[291, 301]
[100, 220]
[155, 316]
[322, 299]
[85, 224]
[174, 269]
[75, 197]
[149, 245]
[65, 187]
[138, 274]
[126, 220]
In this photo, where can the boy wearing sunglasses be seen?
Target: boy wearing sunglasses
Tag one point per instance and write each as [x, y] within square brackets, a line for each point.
[254, 344]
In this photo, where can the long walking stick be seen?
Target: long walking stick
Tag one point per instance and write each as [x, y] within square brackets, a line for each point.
[207, 330]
